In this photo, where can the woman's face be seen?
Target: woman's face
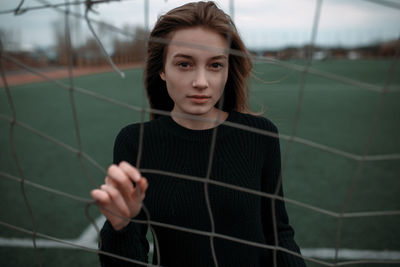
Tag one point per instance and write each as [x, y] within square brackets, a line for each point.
[196, 75]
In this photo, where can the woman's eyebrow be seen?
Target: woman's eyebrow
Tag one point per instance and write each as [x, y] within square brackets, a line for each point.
[183, 55]
[190, 57]
[219, 57]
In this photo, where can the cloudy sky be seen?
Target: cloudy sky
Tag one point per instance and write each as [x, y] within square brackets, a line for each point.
[262, 23]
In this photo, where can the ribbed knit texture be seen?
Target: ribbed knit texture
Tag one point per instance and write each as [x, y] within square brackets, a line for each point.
[241, 158]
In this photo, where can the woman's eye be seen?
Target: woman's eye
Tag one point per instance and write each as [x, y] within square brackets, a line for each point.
[184, 65]
[217, 65]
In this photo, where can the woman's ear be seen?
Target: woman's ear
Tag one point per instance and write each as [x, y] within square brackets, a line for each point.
[162, 75]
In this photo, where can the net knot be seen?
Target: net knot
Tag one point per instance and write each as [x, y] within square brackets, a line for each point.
[90, 3]
[18, 10]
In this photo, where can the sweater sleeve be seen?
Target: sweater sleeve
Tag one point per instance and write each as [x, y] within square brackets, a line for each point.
[131, 241]
[271, 173]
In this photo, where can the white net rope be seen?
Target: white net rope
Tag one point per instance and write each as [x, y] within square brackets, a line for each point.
[84, 158]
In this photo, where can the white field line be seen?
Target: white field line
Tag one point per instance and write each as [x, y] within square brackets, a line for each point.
[88, 239]
[350, 254]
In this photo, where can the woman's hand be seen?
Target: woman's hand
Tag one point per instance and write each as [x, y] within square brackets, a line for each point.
[119, 199]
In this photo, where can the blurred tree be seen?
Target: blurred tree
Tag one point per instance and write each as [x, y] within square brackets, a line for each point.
[131, 49]
[60, 42]
[10, 39]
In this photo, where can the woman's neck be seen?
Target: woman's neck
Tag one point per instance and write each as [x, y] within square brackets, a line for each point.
[203, 122]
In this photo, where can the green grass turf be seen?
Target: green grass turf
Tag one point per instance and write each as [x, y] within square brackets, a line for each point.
[332, 113]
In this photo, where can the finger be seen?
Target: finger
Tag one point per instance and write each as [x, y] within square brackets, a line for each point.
[102, 199]
[131, 171]
[110, 182]
[142, 186]
[100, 196]
[117, 200]
[140, 190]
[118, 179]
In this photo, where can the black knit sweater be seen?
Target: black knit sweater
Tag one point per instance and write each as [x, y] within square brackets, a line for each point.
[240, 158]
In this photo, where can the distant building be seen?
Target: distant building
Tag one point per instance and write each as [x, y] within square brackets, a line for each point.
[389, 49]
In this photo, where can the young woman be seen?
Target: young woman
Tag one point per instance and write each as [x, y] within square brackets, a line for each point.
[203, 84]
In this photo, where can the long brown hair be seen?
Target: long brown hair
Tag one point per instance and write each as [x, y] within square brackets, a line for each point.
[207, 15]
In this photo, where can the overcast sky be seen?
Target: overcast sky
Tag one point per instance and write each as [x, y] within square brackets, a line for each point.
[261, 23]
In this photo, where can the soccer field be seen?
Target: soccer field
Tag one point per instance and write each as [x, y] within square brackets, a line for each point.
[345, 157]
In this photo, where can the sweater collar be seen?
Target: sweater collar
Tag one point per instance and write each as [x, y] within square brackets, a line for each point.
[171, 126]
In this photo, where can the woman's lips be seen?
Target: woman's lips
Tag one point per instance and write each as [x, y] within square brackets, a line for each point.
[199, 99]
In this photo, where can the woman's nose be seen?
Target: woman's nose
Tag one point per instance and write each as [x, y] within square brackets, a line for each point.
[200, 80]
